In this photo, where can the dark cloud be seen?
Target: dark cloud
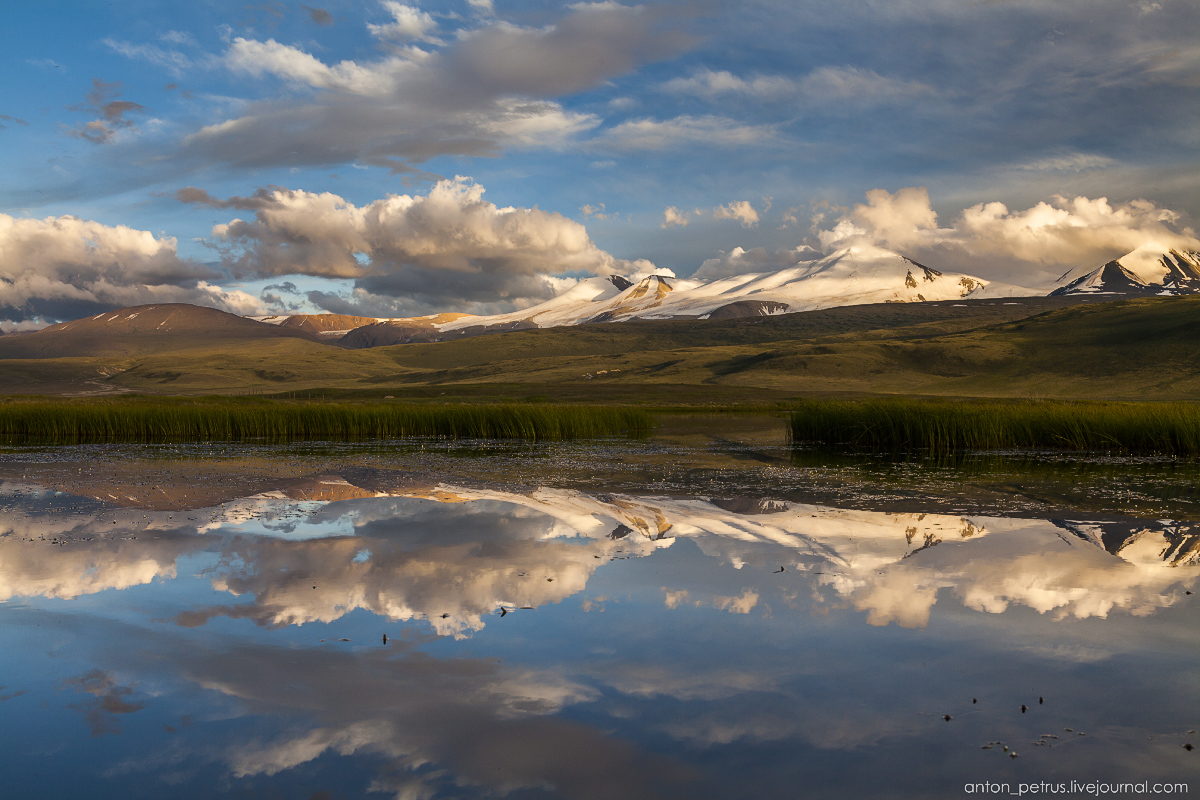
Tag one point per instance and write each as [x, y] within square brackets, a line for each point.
[192, 195]
[111, 112]
[319, 16]
[6, 118]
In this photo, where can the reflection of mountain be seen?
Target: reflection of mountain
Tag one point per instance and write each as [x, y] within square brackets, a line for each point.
[452, 554]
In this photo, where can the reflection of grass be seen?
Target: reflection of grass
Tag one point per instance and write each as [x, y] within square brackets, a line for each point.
[947, 426]
[133, 419]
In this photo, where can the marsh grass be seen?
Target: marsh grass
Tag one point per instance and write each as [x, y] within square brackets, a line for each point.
[161, 420]
[952, 426]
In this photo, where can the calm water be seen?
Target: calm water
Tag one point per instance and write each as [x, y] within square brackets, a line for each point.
[695, 616]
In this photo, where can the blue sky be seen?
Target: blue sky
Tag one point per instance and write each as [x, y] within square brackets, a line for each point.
[760, 124]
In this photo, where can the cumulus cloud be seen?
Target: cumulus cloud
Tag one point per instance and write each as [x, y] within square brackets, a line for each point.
[407, 23]
[1072, 232]
[741, 210]
[673, 216]
[449, 248]
[65, 267]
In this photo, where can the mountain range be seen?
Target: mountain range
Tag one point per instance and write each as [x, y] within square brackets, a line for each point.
[852, 276]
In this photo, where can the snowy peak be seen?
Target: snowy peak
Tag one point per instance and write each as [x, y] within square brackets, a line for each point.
[1144, 272]
[1183, 270]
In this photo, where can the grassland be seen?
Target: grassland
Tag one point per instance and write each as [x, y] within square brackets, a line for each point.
[140, 419]
[1035, 347]
[948, 426]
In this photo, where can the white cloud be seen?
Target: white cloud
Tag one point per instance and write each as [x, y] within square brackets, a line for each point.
[1076, 232]
[539, 123]
[1066, 230]
[650, 134]
[842, 84]
[172, 61]
[290, 63]
[856, 84]
[741, 210]
[673, 216]
[407, 23]
[709, 83]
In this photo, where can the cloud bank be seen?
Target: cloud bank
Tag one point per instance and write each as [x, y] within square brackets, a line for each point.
[447, 250]
[1044, 239]
[61, 268]
[1029, 247]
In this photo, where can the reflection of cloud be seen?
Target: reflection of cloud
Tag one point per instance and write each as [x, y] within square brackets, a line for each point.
[452, 555]
[31, 565]
[107, 701]
[425, 557]
[489, 725]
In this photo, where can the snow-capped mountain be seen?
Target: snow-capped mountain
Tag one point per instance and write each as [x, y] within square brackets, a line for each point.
[851, 276]
[1146, 271]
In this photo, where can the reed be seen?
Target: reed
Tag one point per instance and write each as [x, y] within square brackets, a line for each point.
[949, 426]
[154, 420]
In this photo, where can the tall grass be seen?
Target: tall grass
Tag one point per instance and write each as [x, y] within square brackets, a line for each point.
[948, 426]
[150, 420]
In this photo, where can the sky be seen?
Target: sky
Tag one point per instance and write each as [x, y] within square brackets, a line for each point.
[399, 158]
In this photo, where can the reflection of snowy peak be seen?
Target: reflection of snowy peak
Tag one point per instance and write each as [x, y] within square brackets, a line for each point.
[1145, 271]
[409, 548]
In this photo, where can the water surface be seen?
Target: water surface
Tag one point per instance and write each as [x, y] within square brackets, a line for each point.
[694, 616]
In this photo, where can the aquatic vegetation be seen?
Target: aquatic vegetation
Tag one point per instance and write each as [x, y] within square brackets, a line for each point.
[140, 419]
[943, 426]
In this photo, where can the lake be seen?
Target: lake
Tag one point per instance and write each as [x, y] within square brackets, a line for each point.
[695, 615]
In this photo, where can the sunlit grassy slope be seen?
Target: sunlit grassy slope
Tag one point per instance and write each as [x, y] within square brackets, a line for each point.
[1143, 349]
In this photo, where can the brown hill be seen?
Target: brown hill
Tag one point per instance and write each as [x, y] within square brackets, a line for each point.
[324, 324]
[143, 329]
[407, 330]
